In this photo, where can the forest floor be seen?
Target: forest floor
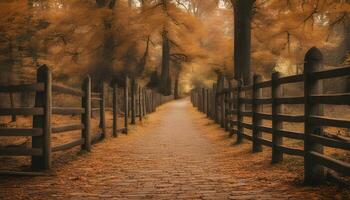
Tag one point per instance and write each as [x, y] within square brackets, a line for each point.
[176, 153]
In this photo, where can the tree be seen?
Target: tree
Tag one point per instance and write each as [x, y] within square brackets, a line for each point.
[243, 10]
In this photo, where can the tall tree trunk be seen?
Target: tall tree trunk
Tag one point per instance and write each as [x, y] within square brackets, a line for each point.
[105, 61]
[143, 61]
[242, 39]
[164, 79]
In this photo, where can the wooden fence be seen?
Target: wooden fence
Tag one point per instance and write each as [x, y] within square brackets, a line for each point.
[230, 105]
[137, 100]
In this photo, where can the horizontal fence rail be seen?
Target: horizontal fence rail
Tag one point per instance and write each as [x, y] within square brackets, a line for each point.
[129, 102]
[232, 106]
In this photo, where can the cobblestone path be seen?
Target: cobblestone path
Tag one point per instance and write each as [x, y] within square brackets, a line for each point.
[175, 154]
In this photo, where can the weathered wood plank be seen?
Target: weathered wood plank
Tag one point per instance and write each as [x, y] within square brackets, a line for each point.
[67, 90]
[333, 99]
[264, 142]
[330, 142]
[22, 111]
[247, 126]
[67, 111]
[67, 146]
[290, 118]
[328, 121]
[291, 134]
[21, 131]
[290, 151]
[339, 166]
[264, 101]
[290, 100]
[35, 87]
[331, 73]
[68, 127]
[290, 79]
[20, 151]
[264, 84]
[265, 116]
[264, 129]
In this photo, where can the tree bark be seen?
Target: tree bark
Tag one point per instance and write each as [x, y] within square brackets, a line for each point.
[242, 39]
[164, 79]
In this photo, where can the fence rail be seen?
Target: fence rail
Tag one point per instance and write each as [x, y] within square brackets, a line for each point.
[144, 101]
[229, 106]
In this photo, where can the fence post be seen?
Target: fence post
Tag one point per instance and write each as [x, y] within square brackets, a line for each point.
[208, 102]
[43, 100]
[144, 111]
[256, 108]
[195, 98]
[126, 104]
[203, 100]
[223, 106]
[230, 107]
[211, 103]
[133, 100]
[313, 172]
[226, 107]
[140, 104]
[277, 140]
[198, 99]
[86, 116]
[212, 111]
[215, 94]
[239, 115]
[192, 99]
[103, 109]
[115, 110]
[148, 102]
[152, 101]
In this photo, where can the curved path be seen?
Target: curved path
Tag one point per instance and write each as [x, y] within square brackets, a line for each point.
[175, 154]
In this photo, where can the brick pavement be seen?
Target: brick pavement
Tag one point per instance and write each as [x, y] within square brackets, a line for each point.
[175, 154]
